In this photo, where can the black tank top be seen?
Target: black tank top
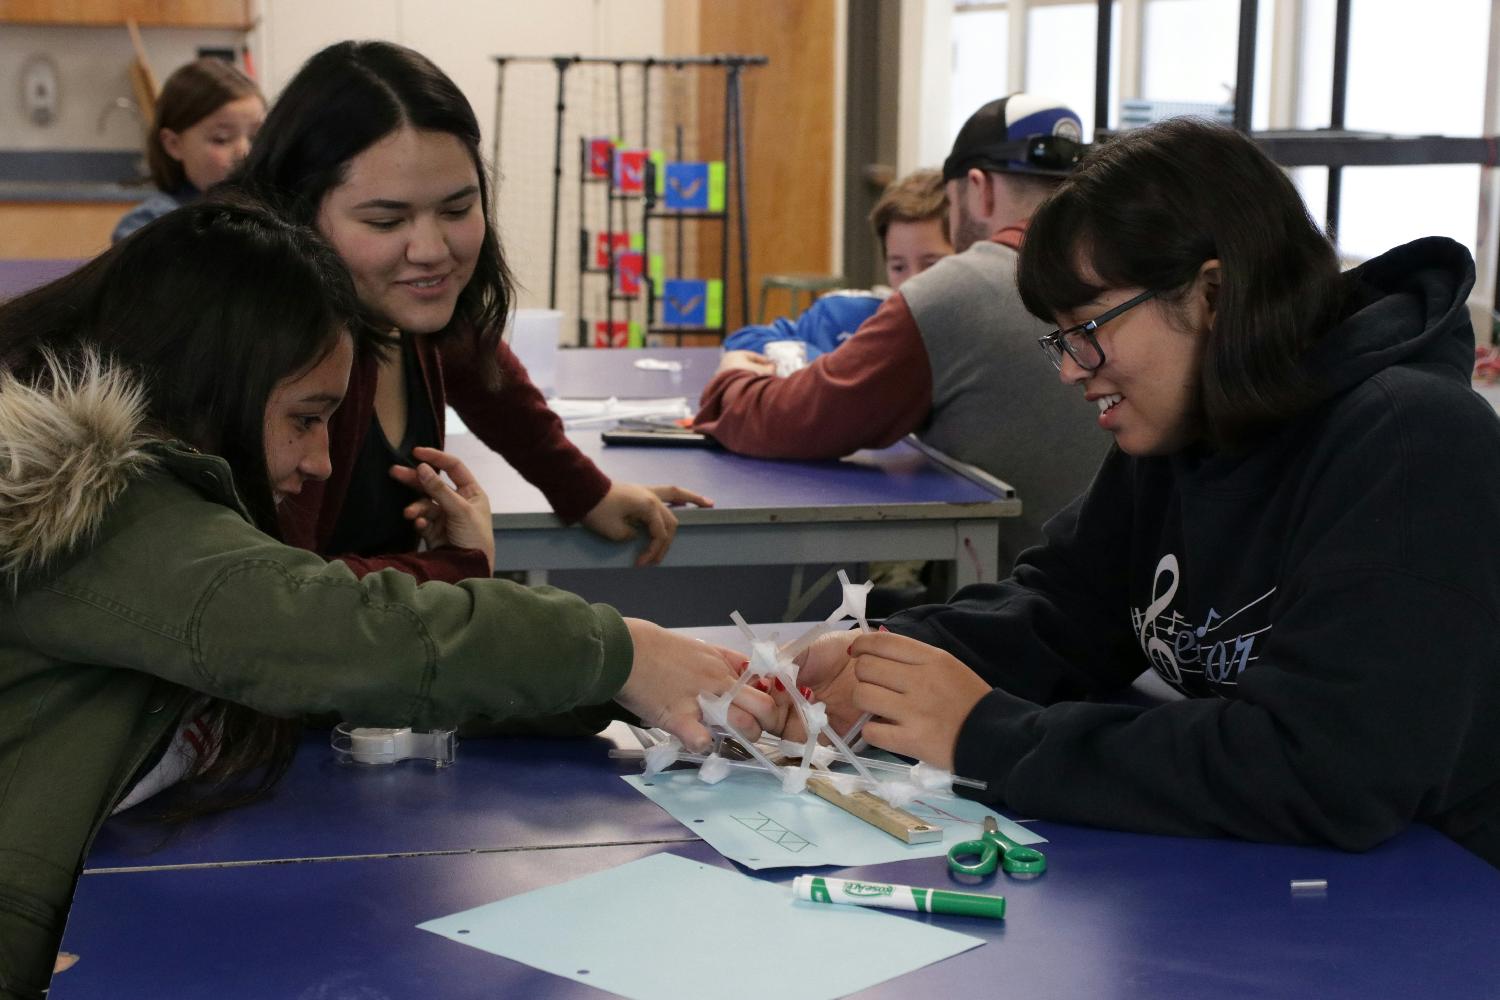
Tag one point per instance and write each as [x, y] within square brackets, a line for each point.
[371, 522]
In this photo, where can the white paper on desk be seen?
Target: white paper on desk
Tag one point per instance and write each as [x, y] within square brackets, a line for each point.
[749, 819]
[642, 930]
[597, 412]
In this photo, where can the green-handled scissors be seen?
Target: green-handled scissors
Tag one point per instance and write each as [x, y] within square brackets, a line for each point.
[994, 849]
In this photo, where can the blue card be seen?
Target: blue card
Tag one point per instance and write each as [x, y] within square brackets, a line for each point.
[687, 187]
[635, 930]
[684, 302]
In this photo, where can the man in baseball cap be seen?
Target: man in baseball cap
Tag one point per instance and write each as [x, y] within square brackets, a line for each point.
[1020, 133]
[1019, 144]
[952, 356]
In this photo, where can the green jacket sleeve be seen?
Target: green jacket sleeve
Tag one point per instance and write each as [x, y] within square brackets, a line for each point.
[229, 611]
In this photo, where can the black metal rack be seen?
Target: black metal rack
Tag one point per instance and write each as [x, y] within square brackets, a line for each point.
[618, 204]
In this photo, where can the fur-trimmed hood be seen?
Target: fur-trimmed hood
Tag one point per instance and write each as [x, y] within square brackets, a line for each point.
[69, 445]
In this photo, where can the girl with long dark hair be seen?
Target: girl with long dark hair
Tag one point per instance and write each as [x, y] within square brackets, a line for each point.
[376, 148]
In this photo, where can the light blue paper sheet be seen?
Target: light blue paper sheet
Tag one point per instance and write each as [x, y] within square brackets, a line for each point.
[595, 930]
[749, 819]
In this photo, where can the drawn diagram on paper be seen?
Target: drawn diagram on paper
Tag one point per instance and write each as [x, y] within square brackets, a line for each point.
[766, 827]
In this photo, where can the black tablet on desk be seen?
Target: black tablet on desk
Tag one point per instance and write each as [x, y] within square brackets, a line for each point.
[658, 436]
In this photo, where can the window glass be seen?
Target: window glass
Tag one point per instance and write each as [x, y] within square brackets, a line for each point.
[1407, 75]
[1060, 57]
[1203, 70]
[981, 60]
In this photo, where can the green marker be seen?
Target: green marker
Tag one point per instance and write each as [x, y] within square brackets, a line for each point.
[897, 897]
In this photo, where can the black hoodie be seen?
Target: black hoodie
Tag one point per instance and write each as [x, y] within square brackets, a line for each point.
[1329, 600]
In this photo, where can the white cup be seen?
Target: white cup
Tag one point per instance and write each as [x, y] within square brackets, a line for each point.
[534, 336]
[789, 356]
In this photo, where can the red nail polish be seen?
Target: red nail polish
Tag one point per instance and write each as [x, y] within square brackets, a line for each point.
[850, 650]
[806, 692]
[760, 685]
[740, 669]
[883, 629]
[780, 686]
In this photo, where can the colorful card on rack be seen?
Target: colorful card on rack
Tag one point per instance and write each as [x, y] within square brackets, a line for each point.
[693, 302]
[630, 170]
[629, 266]
[600, 151]
[694, 187]
[609, 243]
[620, 333]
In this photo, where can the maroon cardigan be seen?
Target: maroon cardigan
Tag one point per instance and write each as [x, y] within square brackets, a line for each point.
[514, 421]
[872, 391]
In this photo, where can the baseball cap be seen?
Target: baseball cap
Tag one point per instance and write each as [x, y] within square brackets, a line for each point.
[1021, 133]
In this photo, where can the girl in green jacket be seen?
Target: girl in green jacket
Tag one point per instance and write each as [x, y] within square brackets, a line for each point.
[155, 406]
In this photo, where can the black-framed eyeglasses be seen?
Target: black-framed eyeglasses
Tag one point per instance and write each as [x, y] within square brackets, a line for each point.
[1079, 341]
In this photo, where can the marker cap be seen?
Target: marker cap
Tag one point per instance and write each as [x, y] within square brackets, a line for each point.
[964, 904]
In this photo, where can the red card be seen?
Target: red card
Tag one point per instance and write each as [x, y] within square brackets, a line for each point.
[628, 266]
[630, 171]
[599, 154]
[616, 334]
[607, 243]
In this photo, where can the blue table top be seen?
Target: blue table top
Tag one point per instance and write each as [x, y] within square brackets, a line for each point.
[1117, 915]
[873, 479]
[500, 794]
[794, 490]
[571, 791]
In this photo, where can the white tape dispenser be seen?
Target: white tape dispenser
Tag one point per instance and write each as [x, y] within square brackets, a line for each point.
[363, 745]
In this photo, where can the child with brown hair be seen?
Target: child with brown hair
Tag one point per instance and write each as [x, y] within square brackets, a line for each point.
[206, 116]
[911, 223]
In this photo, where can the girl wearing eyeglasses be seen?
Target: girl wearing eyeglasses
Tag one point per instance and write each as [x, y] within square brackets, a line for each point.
[1285, 532]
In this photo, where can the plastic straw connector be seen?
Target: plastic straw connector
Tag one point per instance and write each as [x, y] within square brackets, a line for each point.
[661, 756]
[713, 770]
[715, 710]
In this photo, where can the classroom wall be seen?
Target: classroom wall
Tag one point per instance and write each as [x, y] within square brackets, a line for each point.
[93, 71]
[459, 35]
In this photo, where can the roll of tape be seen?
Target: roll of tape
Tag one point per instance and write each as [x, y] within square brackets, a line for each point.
[376, 745]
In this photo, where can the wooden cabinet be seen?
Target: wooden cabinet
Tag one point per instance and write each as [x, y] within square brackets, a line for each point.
[147, 13]
[36, 230]
[789, 120]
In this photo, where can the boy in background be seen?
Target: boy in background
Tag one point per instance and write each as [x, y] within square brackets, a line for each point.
[911, 224]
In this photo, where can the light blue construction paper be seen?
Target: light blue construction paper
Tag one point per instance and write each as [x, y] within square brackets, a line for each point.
[749, 819]
[639, 930]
